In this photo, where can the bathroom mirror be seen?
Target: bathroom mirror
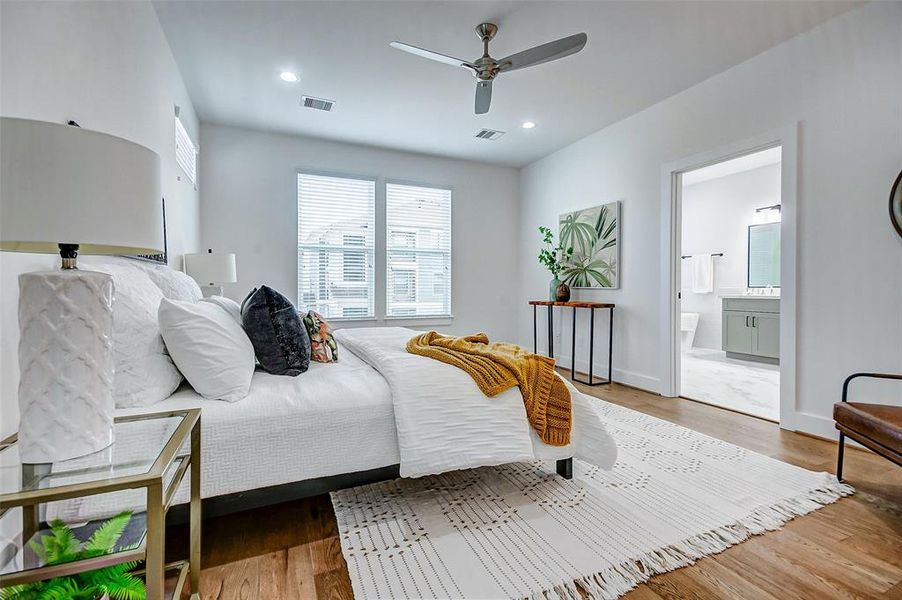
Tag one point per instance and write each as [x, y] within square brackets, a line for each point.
[764, 255]
[895, 204]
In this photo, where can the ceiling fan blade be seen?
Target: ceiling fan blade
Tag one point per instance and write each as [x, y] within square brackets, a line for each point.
[442, 58]
[544, 53]
[483, 96]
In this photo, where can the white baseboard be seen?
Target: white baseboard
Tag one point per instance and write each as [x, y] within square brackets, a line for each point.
[631, 378]
[815, 425]
[821, 427]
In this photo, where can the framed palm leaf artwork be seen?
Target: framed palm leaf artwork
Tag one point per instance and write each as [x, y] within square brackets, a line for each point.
[594, 235]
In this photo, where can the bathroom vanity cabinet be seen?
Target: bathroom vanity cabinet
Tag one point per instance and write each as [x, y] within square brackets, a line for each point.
[751, 328]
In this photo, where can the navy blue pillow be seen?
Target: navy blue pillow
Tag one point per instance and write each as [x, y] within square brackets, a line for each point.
[275, 329]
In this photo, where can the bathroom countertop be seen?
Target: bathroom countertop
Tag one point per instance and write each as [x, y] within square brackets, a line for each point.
[751, 296]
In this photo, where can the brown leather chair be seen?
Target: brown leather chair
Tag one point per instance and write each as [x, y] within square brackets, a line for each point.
[875, 426]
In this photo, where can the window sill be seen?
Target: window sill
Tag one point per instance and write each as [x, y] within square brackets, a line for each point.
[397, 321]
[351, 319]
[421, 320]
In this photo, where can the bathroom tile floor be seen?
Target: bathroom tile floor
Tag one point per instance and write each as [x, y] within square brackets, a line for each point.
[744, 386]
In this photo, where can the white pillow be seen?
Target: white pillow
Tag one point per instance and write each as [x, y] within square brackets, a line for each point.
[227, 304]
[209, 347]
[175, 285]
[144, 373]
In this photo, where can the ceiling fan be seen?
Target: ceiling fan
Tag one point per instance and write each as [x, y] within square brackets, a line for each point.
[487, 68]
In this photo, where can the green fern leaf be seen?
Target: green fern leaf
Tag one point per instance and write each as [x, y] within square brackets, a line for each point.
[39, 547]
[107, 574]
[105, 537]
[128, 587]
[61, 588]
[115, 581]
[27, 591]
[57, 547]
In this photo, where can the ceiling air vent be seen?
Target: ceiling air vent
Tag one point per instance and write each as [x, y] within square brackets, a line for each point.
[317, 103]
[488, 134]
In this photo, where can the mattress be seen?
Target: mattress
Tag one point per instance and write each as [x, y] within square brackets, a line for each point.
[335, 418]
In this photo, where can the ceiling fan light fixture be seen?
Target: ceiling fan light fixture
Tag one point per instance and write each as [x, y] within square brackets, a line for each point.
[289, 77]
[528, 125]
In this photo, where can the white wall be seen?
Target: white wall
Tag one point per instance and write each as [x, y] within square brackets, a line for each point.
[249, 207]
[716, 216]
[106, 65]
[839, 81]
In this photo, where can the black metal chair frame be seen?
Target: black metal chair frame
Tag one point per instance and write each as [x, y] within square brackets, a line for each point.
[845, 398]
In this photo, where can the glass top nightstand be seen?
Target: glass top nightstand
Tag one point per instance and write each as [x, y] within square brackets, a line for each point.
[151, 454]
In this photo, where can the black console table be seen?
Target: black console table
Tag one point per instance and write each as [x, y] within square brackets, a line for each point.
[591, 307]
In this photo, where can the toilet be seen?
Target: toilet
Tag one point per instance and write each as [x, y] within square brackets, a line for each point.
[688, 325]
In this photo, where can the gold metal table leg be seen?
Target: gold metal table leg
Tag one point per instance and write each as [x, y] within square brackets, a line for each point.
[29, 522]
[156, 542]
[31, 515]
[194, 557]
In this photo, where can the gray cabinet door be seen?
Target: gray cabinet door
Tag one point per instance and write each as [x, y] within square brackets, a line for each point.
[767, 335]
[737, 333]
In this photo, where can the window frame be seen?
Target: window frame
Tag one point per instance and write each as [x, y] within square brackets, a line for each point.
[178, 124]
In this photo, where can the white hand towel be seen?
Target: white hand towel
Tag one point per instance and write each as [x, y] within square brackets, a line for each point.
[702, 269]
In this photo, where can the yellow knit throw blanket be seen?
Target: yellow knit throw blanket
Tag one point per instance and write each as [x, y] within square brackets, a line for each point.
[496, 367]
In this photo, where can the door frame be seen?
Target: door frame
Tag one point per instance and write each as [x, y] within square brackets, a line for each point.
[671, 226]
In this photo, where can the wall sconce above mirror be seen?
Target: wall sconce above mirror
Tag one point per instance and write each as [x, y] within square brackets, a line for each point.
[768, 214]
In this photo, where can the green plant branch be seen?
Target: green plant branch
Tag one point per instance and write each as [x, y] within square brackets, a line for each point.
[61, 546]
[553, 256]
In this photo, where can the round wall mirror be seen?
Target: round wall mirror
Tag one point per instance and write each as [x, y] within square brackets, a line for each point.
[895, 204]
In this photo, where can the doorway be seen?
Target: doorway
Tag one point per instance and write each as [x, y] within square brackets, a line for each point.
[729, 265]
[730, 284]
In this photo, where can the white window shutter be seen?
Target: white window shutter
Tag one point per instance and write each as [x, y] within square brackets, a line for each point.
[418, 251]
[185, 152]
[336, 244]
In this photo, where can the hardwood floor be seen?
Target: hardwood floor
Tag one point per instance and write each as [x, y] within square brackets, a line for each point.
[850, 549]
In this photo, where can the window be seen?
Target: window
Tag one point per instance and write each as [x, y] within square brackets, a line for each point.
[185, 152]
[336, 224]
[418, 250]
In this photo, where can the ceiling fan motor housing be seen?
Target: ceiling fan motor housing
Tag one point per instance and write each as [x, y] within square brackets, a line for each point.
[486, 66]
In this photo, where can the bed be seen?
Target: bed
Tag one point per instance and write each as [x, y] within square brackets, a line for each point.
[377, 413]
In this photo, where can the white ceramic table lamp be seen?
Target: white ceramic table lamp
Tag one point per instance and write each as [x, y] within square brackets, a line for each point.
[211, 271]
[70, 190]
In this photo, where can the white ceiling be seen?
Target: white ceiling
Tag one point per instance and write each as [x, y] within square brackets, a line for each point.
[231, 53]
[748, 162]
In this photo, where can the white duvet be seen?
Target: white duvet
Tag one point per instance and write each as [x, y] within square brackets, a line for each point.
[342, 418]
[444, 422]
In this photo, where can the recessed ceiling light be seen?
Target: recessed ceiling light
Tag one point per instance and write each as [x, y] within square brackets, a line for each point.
[528, 125]
[289, 76]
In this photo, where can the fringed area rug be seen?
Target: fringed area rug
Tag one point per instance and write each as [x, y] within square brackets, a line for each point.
[520, 531]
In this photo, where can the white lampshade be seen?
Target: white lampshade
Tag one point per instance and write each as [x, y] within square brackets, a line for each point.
[64, 184]
[211, 269]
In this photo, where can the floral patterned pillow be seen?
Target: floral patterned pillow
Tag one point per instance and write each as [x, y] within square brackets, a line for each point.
[323, 347]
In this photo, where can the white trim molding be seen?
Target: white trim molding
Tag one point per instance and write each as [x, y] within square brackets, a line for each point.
[671, 176]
